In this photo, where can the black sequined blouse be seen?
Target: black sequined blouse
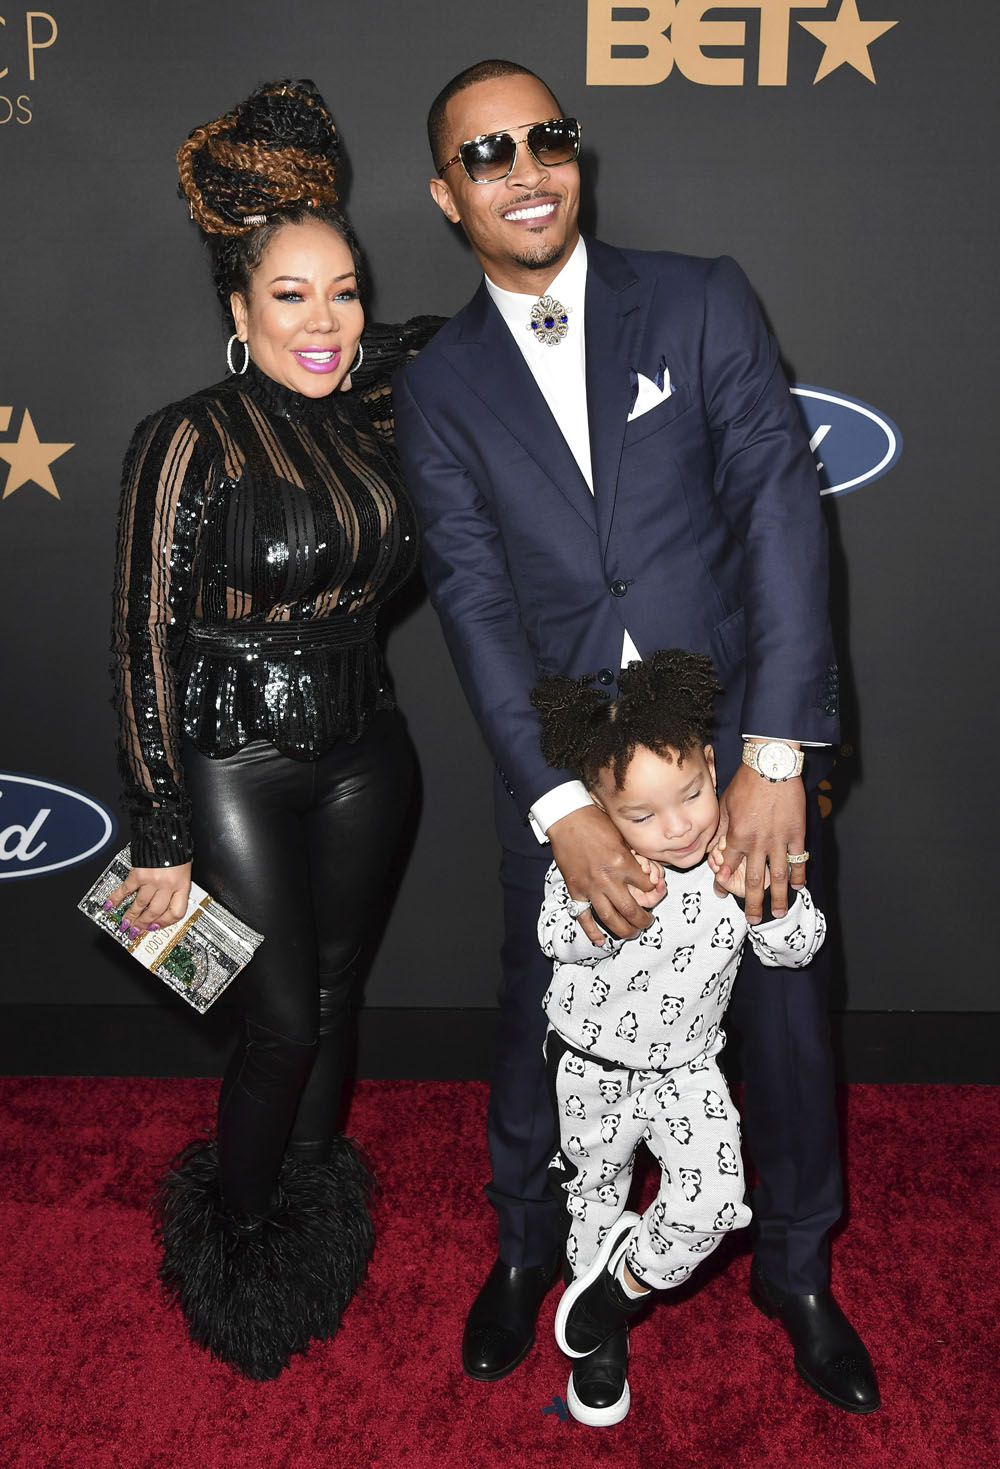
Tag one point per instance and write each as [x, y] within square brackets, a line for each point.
[259, 533]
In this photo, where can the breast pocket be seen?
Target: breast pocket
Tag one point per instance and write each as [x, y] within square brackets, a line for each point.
[660, 417]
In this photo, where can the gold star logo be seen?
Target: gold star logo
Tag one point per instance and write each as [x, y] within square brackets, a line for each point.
[29, 459]
[846, 39]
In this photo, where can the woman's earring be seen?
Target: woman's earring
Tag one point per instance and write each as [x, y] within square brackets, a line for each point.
[357, 361]
[237, 371]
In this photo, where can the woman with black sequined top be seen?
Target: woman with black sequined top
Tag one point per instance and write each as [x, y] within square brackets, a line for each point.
[263, 524]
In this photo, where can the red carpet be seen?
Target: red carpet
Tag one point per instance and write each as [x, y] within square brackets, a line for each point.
[98, 1373]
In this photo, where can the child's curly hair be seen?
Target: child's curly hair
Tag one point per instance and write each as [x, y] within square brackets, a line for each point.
[663, 704]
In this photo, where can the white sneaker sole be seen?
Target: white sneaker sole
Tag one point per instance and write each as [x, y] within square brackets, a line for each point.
[597, 1417]
[614, 1240]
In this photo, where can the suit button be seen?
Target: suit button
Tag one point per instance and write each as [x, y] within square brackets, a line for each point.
[605, 676]
[619, 588]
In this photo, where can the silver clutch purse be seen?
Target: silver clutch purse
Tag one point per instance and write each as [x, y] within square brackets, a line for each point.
[198, 956]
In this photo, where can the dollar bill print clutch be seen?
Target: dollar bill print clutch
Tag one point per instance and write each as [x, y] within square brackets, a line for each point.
[198, 956]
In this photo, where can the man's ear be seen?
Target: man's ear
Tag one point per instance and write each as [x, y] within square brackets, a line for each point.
[238, 307]
[441, 194]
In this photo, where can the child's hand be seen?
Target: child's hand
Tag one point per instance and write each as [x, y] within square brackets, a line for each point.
[654, 872]
[737, 884]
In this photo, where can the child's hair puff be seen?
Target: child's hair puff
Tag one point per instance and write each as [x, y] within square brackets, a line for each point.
[663, 704]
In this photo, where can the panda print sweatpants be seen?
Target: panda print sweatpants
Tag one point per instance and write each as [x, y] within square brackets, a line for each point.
[688, 1122]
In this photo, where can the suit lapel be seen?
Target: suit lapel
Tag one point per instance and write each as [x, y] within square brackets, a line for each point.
[614, 319]
[491, 366]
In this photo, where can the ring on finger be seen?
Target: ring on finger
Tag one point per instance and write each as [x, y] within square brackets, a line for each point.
[578, 906]
[796, 858]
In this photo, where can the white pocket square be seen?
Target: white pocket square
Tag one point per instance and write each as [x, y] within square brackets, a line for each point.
[648, 395]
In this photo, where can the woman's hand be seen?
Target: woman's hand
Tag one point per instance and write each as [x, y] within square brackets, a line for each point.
[656, 875]
[161, 897]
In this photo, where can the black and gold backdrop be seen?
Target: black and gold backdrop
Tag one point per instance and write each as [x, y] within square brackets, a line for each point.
[841, 151]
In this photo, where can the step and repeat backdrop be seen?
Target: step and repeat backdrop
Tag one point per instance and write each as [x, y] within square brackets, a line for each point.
[841, 150]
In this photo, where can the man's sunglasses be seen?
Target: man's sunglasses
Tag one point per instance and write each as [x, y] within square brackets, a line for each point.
[491, 156]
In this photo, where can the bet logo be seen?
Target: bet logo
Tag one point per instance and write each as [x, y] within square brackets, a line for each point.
[29, 458]
[19, 46]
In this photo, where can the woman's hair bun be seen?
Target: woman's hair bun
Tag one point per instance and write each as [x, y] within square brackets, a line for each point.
[277, 148]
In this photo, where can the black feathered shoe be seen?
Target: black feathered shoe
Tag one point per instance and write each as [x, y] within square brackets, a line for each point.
[254, 1290]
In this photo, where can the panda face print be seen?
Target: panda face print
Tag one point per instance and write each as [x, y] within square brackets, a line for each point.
[709, 987]
[682, 957]
[575, 1065]
[804, 897]
[566, 998]
[609, 1126]
[727, 1160]
[572, 1249]
[652, 937]
[679, 1129]
[702, 1246]
[691, 907]
[577, 1207]
[608, 1195]
[658, 1053]
[700, 1063]
[574, 1107]
[676, 1227]
[666, 1093]
[569, 931]
[599, 991]
[796, 940]
[695, 1028]
[574, 1185]
[659, 1245]
[591, 1032]
[724, 936]
[726, 1217]
[575, 1146]
[628, 1026]
[609, 1171]
[610, 1090]
[679, 1273]
[714, 1105]
[725, 990]
[690, 1183]
[670, 1008]
[710, 1034]
[546, 999]
[639, 983]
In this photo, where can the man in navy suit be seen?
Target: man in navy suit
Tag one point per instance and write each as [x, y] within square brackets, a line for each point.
[606, 461]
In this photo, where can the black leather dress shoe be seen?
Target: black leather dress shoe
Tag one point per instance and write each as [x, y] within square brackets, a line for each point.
[598, 1391]
[829, 1354]
[500, 1328]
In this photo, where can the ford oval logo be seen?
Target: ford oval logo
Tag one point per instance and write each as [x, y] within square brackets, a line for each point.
[44, 826]
[853, 444]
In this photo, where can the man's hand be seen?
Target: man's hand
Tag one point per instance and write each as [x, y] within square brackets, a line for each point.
[761, 821]
[597, 866]
[161, 897]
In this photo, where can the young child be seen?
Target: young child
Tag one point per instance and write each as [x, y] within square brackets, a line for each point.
[634, 1025]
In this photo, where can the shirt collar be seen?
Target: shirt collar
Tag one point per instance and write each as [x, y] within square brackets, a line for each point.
[569, 287]
[276, 398]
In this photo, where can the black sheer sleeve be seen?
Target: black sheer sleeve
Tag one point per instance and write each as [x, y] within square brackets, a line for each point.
[165, 475]
[388, 346]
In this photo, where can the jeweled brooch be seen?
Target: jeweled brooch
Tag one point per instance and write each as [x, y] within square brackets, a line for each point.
[549, 320]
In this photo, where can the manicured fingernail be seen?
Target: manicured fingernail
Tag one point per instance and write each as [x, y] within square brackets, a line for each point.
[133, 932]
[108, 905]
[153, 927]
[125, 925]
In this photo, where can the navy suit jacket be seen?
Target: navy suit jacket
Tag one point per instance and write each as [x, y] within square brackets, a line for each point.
[704, 530]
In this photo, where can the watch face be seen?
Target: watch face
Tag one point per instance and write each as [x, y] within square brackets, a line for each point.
[775, 760]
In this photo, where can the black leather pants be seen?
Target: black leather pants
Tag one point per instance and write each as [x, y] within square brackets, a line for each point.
[299, 849]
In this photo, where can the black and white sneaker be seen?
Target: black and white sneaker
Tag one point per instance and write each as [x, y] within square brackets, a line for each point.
[595, 1305]
[598, 1392]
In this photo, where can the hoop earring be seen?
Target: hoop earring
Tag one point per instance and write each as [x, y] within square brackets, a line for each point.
[237, 371]
[357, 361]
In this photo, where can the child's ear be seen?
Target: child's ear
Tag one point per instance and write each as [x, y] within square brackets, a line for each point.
[710, 762]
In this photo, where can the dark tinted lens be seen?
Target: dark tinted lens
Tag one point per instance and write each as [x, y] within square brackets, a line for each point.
[555, 142]
[489, 157]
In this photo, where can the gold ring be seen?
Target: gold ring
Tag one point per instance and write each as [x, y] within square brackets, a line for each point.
[795, 858]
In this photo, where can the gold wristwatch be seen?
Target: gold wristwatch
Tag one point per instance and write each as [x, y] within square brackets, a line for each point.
[773, 759]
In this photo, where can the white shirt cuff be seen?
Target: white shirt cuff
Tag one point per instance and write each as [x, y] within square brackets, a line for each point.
[805, 744]
[572, 795]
